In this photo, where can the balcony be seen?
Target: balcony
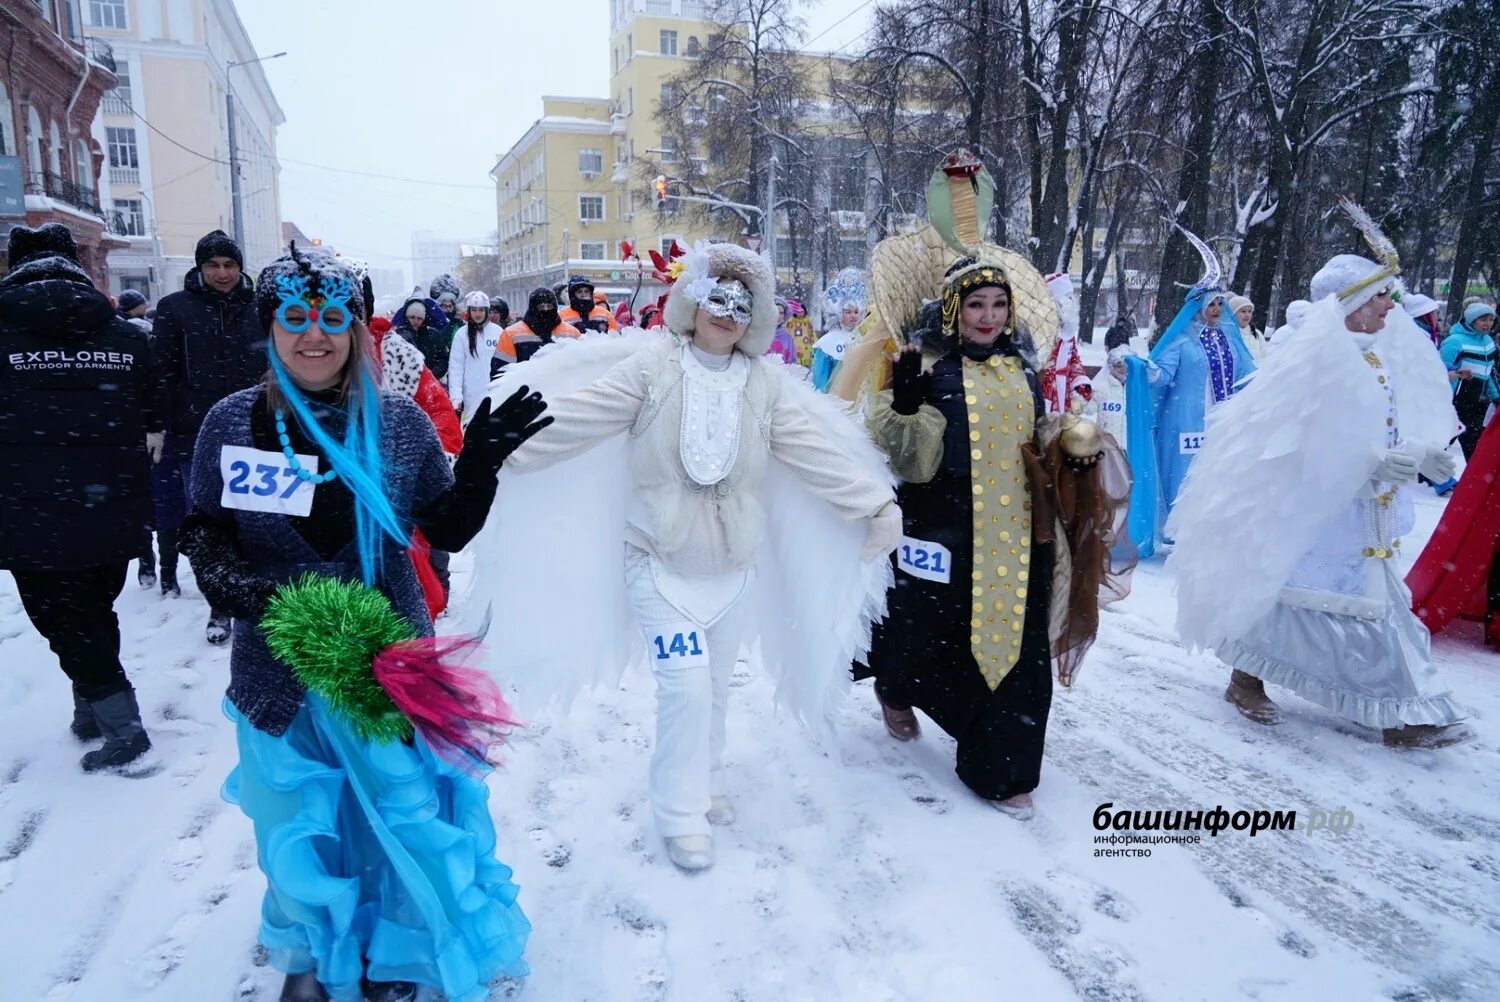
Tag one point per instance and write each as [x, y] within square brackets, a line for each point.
[658, 6]
[125, 175]
[101, 53]
[620, 173]
[616, 124]
[65, 191]
[114, 104]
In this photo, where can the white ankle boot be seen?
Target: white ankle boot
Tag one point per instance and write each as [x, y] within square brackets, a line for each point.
[691, 852]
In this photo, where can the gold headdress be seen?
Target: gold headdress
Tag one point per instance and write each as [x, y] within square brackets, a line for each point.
[911, 269]
[1380, 245]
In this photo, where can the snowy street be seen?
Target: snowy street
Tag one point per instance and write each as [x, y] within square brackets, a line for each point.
[878, 877]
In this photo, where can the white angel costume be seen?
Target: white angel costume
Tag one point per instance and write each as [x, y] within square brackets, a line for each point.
[705, 502]
[1287, 526]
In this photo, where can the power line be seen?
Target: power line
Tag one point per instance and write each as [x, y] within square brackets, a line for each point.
[168, 138]
[837, 23]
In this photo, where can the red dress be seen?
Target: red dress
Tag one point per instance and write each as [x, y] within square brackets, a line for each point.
[1453, 576]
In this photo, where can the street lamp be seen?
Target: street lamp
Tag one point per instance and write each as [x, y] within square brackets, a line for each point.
[234, 151]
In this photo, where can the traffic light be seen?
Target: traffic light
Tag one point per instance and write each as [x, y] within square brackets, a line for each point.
[661, 193]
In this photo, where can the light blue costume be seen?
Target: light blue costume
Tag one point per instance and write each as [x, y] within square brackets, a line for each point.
[1167, 398]
[828, 353]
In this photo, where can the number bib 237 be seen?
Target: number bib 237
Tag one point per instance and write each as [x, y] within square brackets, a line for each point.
[921, 559]
[678, 645]
[265, 482]
[1190, 442]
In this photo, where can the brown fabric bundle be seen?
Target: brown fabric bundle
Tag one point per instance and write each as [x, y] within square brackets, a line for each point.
[1090, 502]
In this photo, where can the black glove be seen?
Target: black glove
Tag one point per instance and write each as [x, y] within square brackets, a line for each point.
[223, 575]
[909, 387]
[492, 436]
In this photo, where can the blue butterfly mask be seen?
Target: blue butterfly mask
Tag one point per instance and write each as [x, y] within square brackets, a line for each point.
[301, 307]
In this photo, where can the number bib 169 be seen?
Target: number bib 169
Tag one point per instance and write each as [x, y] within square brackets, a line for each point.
[921, 559]
[678, 645]
[1190, 442]
[263, 481]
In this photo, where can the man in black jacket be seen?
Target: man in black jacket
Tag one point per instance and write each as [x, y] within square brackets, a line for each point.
[210, 345]
[80, 409]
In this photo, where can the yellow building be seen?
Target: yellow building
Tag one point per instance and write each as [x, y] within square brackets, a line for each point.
[173, 59]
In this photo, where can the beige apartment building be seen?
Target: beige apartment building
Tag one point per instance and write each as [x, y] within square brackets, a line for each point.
[165, 133]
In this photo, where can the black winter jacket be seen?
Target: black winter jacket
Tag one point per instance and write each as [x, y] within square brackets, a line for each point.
[210, 344]
[78, 393]
[434, 340]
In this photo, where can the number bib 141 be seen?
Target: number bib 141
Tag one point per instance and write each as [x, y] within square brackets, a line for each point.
[921, 559]
[263, 481]
[678, 645]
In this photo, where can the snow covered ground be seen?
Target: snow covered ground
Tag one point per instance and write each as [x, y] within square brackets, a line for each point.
[875, 877]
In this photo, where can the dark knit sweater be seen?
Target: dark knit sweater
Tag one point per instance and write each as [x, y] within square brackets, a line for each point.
[269, 549]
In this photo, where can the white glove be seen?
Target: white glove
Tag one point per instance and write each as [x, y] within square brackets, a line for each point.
[1437, 466]
[883, 532]
[155, 442]
[1396, 467]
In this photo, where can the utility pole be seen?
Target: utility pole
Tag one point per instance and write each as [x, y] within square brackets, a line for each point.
[236, 206]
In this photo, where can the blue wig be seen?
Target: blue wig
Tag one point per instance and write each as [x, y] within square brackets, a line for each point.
[357, 458]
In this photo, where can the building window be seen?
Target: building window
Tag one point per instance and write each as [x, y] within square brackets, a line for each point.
[140, 283]
[122, 151]
[8, 147]
[54, 148]
[668, 42]
[591, 208]
[666, 244]
[591, 250]
[590, 161]
[666, 95]
[45, 6]
[107, 13]
[132, 219]
[692, 46]
[83, 164]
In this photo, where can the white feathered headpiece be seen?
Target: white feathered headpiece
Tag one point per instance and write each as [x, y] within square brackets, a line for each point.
[702, 267]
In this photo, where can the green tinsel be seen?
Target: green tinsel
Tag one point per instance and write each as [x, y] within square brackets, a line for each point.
[328, 632]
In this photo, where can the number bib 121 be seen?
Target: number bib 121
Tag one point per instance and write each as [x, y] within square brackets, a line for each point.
[921, 559]
[263, 481]
[1190, 442]
[678, 645]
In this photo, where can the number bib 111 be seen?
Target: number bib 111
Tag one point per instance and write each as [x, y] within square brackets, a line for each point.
[921, 559]
[1190, 442]
[263, 481]
[678, 645]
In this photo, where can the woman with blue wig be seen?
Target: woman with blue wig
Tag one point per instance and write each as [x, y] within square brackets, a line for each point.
[379, 855]
[1199, 362]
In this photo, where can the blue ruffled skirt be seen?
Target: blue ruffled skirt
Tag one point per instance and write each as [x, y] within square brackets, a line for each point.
[380, 860]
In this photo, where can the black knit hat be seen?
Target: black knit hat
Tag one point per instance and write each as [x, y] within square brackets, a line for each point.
[321, 268]
[218, 244]
[52, 240]
[129, 300]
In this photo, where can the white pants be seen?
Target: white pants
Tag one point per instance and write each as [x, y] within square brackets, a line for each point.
[687, 766]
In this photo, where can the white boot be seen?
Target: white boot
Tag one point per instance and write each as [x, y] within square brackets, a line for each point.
[691, 852]
[1025, 810]
[720, 810]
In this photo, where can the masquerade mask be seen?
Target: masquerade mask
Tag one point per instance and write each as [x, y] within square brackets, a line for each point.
[301, 308]
[729, 299]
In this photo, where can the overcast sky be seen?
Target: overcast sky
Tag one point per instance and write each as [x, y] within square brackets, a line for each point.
[430, 90]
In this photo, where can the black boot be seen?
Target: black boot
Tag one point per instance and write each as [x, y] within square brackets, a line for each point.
[166, 541]
[218, 628]
[84, 726]
[124, 736]
[146, 573]
[303, 987]
[388, 991]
